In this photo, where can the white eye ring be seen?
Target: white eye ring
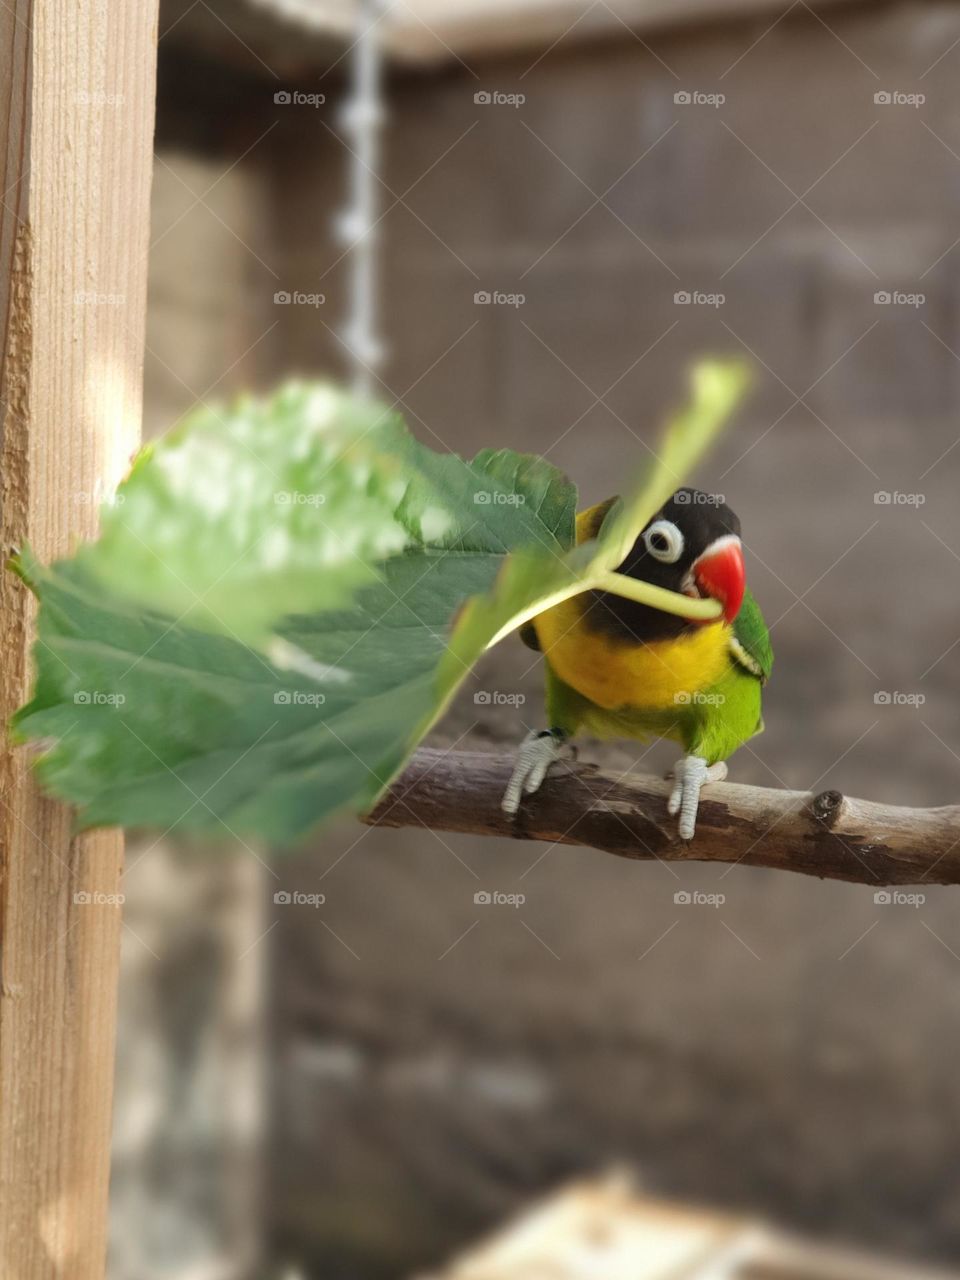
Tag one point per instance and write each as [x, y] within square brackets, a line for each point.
[664, 541]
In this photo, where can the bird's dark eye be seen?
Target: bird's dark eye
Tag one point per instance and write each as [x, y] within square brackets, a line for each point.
[664, 541]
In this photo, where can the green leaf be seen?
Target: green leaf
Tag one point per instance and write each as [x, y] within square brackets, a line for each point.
[716, 388]
[237, 519]
[147, 718]
[152, 723]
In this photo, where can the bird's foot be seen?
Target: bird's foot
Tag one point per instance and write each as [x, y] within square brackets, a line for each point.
[689, 775]
[536, 754]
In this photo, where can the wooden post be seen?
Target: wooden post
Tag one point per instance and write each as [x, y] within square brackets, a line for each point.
[77, 83]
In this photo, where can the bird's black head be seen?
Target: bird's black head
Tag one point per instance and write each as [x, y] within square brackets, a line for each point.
[691, 546]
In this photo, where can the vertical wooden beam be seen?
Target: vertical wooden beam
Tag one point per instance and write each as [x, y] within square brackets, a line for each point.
[77, 83]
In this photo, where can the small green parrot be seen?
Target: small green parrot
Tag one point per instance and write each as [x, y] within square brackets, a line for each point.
[619, 669]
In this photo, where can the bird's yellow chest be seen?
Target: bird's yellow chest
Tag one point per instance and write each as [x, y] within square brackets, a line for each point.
[618, 674]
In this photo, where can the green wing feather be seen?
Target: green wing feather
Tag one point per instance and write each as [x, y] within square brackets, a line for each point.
[752, 639]
[716, 730]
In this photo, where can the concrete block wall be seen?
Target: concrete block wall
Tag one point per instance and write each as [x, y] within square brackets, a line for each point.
[795, 1052]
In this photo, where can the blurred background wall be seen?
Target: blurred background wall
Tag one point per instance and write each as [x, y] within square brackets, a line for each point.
[434, 1062]
[189, 1111]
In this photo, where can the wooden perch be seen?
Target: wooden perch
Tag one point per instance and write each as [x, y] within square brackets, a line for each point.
[824, 834]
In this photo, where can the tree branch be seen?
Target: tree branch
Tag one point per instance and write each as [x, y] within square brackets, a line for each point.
[825, 834]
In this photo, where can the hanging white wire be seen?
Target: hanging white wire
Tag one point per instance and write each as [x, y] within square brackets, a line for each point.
[362, 121]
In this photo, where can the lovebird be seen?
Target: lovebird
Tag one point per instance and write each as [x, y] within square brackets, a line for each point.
[616, 668]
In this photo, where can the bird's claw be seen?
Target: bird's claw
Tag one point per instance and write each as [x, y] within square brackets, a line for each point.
[689, 775]
[537, 752]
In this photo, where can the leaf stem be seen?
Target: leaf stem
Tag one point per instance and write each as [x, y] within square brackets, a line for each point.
[657, 597]
[617, 584]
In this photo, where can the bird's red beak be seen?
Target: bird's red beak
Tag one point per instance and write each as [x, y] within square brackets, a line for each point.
[719, 574]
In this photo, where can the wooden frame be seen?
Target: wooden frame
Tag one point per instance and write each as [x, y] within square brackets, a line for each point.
[77, 85]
